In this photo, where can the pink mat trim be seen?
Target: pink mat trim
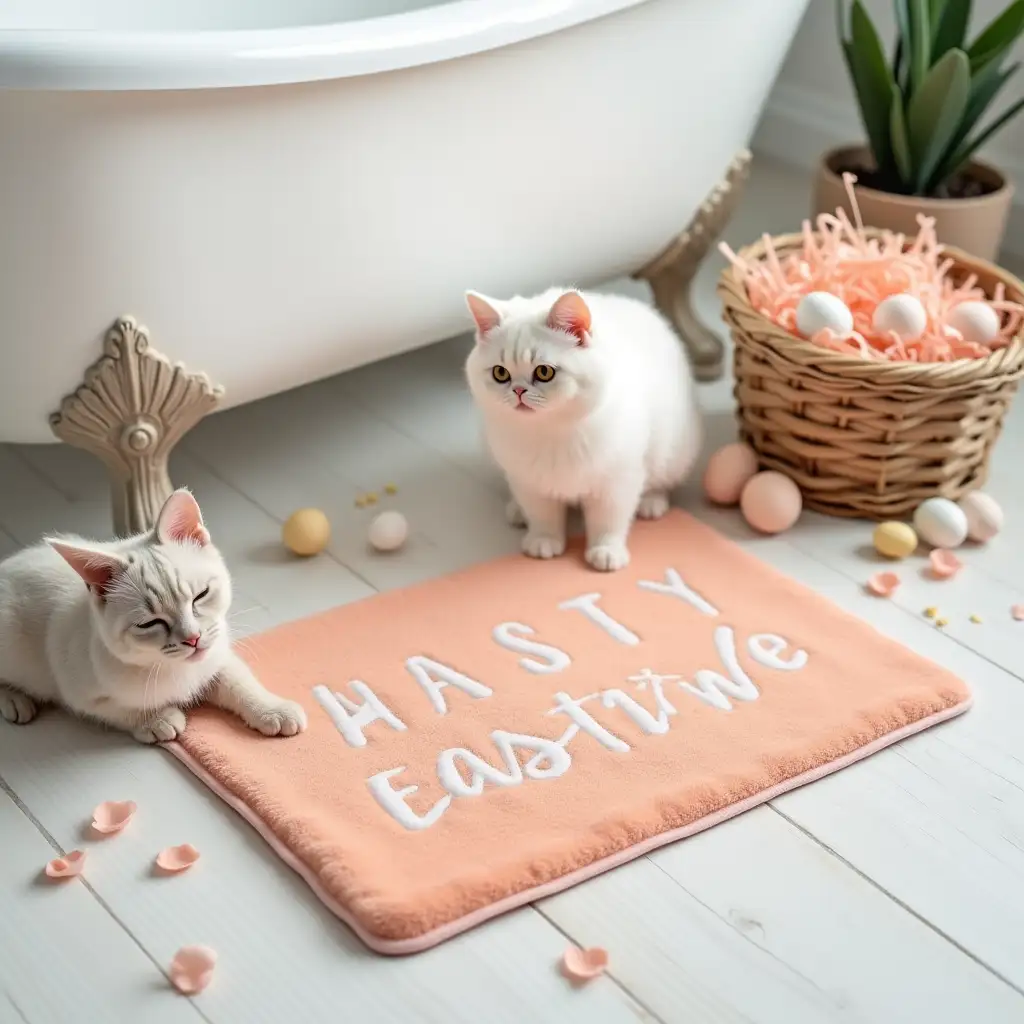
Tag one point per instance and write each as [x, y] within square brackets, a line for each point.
[401, 947]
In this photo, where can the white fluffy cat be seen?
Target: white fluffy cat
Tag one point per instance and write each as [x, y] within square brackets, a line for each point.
[129, 632]
[586, 400]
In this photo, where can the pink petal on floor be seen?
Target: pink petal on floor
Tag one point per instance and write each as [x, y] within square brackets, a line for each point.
[192, 969]
[68, 866]
[883, 584]
[944, 564]
[584, 964]
[1017, 611]
[177, 858]
[112, 816]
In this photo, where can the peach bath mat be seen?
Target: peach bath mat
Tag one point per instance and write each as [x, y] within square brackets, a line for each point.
[494, 736]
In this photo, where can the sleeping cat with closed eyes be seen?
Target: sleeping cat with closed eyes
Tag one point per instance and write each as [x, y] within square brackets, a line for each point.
[129, 632]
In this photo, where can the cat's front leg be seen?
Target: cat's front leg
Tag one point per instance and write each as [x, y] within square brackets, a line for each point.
[163, 727]
[608, 515]
[545, 523]
[15, 706]
[237, 690]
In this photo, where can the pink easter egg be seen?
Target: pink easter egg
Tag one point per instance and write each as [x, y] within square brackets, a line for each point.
[771, 502]
[728, 471]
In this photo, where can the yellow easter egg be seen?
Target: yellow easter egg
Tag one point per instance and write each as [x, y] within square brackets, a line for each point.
[306, 532]
[895, 540]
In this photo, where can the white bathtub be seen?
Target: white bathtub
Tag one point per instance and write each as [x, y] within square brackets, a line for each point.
[284, 189]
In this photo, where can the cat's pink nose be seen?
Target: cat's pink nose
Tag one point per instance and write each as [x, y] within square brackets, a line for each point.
[520, 391]
[193, 640]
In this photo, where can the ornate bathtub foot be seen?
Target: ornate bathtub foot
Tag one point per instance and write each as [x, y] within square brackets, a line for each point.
[132, 409]
[671, 274]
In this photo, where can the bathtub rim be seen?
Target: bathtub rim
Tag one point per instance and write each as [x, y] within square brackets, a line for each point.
[111, 61]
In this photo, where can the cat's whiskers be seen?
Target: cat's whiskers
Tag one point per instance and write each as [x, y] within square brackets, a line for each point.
[245, 611]
[151, 677]
[243, 642]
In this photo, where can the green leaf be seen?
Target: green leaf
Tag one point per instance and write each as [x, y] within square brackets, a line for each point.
[997, 37]
[935, 9]
[872, 82]
[901, 51]
[950, 27]
[971, 146]
[935, 112]
[900, 142]
[919, 42]
[985, 87]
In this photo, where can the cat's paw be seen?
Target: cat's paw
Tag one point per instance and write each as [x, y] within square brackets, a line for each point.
[609, 556]
[281, 718]
[514, 514]
[653, 505]
[543, 545]
[163, 727]
[16, 706]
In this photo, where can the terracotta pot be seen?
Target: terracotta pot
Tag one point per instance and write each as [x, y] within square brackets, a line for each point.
[975, 225]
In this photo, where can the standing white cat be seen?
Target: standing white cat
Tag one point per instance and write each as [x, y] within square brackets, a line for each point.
[129, 632]
[586, 400]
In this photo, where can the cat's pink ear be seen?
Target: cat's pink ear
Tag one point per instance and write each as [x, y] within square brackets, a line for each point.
[484, 313]
[571, 314]
[97, 568]
[181, 522]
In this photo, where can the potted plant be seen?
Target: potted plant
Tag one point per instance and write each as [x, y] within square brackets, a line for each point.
[924, 114]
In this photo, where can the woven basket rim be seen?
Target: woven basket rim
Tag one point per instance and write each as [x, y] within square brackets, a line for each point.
[800, 351]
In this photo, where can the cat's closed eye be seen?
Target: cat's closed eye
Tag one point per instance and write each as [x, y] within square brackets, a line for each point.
[501, 374]
[544, 373]
[205, 592]
[152, 623]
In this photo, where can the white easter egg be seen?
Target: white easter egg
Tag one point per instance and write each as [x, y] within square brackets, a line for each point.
[817, 311]
[984, 516]
[941, 523]
[976, 321]
[903, 314]
[388, 531]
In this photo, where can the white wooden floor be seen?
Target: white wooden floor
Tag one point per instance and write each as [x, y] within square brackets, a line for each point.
[891, 892]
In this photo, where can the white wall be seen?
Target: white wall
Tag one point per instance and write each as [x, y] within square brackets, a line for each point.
[812, 108]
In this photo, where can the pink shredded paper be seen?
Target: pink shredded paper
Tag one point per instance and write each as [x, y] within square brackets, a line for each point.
[839, 258]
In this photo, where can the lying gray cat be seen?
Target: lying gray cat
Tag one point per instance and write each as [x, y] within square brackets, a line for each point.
[129, 632]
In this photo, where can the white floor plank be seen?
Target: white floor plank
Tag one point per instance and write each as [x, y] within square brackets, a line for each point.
[451, 516]
[938, 821]
[721, 928]
[62, 953]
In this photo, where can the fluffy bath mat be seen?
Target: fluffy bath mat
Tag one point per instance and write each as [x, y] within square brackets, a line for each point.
[497, 735]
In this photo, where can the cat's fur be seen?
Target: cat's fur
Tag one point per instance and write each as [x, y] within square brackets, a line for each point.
[73, 631]
[614, 430]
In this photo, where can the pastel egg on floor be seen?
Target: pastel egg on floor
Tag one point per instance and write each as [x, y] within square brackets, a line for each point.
[388, 531]
[984, 516]
[977, 321]
[306, 532]
[818, 311]
[771, 502]
[894, 540]
[728, 471]
[903, 314]
[941, 523]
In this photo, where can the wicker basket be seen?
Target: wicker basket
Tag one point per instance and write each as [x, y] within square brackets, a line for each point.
[867, 439]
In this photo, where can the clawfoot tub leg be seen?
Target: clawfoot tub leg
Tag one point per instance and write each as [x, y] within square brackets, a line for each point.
[130, 411]
[671, 274]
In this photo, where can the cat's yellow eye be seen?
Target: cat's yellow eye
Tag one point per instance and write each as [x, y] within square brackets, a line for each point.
[544, 373]
[500, 374]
